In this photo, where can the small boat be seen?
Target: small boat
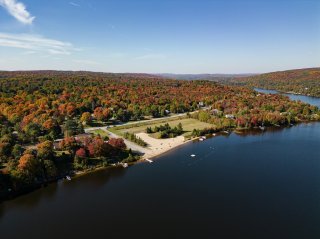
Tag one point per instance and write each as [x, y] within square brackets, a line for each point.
[262, 128]
[68, 178]
[213, 134]
[193, 155]
[201, 139]
[226, 132]
[149, 160]
[125, 165]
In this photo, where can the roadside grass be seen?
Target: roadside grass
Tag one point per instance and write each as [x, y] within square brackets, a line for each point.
[96, 123]
[100, 132]
[188, 124]
[60, 153]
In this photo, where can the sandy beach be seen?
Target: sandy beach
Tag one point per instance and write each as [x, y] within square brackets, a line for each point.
[159, 146]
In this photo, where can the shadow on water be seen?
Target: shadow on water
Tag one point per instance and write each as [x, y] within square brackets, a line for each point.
[48, 193]
[30, 200]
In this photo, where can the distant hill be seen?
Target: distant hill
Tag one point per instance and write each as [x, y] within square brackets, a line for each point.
[211, 77]
[50, 73]
[299, 81]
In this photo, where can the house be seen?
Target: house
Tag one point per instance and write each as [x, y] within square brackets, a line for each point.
[216, 112]
[230, 116]
[56, 144]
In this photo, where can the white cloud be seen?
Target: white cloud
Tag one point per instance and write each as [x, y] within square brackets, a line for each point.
[151, 57]
[36, 43]
[17, 10]
[74, 4]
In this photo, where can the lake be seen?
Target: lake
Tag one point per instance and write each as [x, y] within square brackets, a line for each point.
[308, 99]
[258, 185]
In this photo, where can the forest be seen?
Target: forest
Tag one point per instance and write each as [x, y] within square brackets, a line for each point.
[43, 115]
[301, 81]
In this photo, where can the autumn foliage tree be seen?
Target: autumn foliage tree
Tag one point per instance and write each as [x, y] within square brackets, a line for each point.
[45, 150]
[85, 118]
[81, 153]
[28, 165]
[98, 148]
[117, 143]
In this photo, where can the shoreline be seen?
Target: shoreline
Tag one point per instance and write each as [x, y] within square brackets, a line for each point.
[288, 92]
[151, 155]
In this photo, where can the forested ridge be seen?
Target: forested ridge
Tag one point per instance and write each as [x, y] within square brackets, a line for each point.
[37, 108]
[301, 81]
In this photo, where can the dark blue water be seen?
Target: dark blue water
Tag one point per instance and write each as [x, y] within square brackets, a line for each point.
[261, 185]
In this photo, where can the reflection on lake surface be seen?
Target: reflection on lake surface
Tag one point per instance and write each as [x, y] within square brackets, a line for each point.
[263, 185]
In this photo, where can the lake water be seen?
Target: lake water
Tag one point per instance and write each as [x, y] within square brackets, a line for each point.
[262, 185]
[311, 100]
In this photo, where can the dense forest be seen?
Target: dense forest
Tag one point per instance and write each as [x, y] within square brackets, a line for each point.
[43, 115]
[301, 81]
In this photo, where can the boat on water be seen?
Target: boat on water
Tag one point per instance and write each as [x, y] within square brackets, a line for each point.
[214, 134]
[149, 160]
[68, 178]
[193, 155]
[202, 138]
[125, 165]
[226, 132]
[262, 128]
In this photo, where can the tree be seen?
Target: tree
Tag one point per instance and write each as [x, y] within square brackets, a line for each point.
[70, 128]
[106, 114]
[28, 165]
[179, 128]
[123, 115]
[85, 118]
[117, 143]
[17, 151]
[98, 113]
[53, 128]
[81, 153]
[5, 149]
[49, 124]
[204, 116]
[45, 150]
[98, 148]
[50, 168]
[70, 144]
[33, 131]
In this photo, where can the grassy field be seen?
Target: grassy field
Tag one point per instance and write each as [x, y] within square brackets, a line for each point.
[101, 132]
[187, 124]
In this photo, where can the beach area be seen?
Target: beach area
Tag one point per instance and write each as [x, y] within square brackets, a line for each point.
[157, 147]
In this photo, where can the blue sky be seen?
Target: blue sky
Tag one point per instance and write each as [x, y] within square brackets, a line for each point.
[160, 36]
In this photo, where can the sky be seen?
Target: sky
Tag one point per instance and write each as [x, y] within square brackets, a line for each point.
[160, 36]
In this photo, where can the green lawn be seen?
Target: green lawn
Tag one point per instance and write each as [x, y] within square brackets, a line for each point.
[188, 125]
[101, 132]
